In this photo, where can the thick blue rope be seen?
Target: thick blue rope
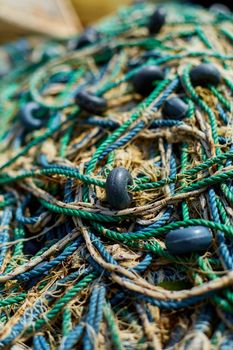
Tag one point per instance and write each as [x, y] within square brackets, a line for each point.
[72, 338]
[169, 89]
[222, 114]
[223, 249]
[40, 343]
[40, 270]
[20, 216]
[94, 316]
[4, 232]
[124, 140]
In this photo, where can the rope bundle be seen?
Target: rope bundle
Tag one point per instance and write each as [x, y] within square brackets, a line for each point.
[75, 272]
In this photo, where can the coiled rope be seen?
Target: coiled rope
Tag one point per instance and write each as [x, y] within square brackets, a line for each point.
[75, 272]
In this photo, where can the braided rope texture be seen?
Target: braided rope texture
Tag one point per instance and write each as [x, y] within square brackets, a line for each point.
[76, 273]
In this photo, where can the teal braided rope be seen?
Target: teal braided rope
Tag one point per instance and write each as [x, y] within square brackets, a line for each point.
[12, 300]
[124, 237]
[221, 98]
[222, 211]
[203, 37]
[79, 213]
[208, 163]
[70, 173]
[184, 162]
[209, 181]
[4, 178]
[66, 322]
[228, 194]
[19, 234]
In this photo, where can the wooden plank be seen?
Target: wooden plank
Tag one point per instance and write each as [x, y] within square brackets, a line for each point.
[53, 17]
[92, 10]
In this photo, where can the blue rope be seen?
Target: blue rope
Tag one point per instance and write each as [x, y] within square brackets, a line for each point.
[229, 161]
[223, 249]
[91, 314]
[103, 123]
[158, 123]
[40, 343]
[222, 114]
[142, 266]
[173, 171]
[169, 89]
[4, 232]
[23, 219]
[100, 247]
[68, 191]
[40, 270]
[165, 123]
[72, 338]
[159, 223]
[99, 311]
[172, 305]
[123, 140]
[96, 266]
[94, 316]
[164, 305]
[224, 140]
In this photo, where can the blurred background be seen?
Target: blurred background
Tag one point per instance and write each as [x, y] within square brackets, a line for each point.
[59, 18]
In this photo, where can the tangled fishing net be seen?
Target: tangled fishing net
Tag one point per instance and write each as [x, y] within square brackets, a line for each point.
[116, 188]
